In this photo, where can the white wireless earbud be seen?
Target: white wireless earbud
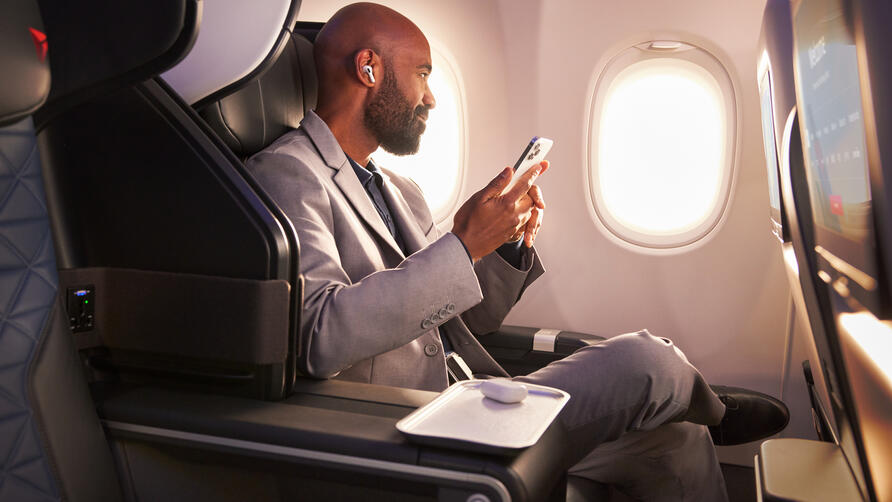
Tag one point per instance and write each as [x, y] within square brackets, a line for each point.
[369, 72]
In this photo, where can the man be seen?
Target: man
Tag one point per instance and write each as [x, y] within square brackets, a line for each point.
[386, 296]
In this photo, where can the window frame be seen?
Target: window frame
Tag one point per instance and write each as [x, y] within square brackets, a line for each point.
[623, 59]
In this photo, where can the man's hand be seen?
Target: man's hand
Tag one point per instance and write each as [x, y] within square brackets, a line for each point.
[529, 231]
[489, 218]
[538, 213]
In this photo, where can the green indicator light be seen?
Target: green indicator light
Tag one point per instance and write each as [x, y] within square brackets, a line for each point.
[86, 301]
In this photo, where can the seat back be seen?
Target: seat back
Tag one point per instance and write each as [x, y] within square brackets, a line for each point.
[826, 381]
[50, 440]
[780, 125]
[187, 269]
[253, 113]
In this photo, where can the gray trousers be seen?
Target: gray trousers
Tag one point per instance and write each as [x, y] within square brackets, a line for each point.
[636, 419]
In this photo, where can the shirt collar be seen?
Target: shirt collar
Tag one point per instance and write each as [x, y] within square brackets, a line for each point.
[365, 175]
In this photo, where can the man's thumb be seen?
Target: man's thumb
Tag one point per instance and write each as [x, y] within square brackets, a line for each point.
[498, 184]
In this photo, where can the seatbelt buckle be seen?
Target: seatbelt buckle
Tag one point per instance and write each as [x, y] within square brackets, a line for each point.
[457, 368]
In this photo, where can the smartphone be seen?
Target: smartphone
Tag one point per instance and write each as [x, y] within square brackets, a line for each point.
[532, 155]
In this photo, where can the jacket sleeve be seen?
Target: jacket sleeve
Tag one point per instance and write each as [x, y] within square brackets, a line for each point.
[501, 283]
[502, 287]
[343, 322]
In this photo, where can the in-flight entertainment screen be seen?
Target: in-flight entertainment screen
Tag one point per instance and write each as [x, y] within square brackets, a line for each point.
[834, 139]
[770, 143]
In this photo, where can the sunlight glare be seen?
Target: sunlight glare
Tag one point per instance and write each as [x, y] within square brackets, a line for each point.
[874, 337]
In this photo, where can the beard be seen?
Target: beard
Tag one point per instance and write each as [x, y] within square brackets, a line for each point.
[395, 123]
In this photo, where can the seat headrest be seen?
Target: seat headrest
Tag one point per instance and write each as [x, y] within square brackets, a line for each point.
[104, 44]
[268, 105]
[236, 40]
[24, 61]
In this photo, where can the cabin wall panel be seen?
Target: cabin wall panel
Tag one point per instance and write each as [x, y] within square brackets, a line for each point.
[723, 299]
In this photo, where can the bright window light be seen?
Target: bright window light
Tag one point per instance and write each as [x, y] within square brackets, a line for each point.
[660, 167]
[437, 167]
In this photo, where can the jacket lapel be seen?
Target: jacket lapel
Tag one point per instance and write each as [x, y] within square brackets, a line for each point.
[362, 204]
[345, 178]
[413, 238]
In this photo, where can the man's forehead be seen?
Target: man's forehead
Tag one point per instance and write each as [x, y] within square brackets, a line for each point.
[413, 54]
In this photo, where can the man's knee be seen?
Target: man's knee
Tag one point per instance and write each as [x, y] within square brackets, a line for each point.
[644, 353]
[644, 366]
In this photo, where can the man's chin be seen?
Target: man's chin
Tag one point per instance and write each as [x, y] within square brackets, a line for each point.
[406, 144]
[401, 151]
[408, 147]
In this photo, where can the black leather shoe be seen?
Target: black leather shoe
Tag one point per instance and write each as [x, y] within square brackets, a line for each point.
[749, 416]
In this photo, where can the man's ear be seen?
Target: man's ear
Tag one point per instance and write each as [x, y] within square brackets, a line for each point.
[367, 66]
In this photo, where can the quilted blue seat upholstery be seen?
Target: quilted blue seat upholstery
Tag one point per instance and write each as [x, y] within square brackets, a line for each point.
[27, 294]
[52, 446]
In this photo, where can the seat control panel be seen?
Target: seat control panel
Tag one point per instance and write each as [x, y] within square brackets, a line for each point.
[81, 307]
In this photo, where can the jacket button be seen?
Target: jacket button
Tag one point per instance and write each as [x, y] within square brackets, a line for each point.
[443, 313]
[431, 350]
[450, 308]
[426, 324]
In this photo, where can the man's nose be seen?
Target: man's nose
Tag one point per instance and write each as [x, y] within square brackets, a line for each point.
[429, 101]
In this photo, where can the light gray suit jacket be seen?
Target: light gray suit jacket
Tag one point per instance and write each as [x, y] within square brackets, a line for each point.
[371, 314]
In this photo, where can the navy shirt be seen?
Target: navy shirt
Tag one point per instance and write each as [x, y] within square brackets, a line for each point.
[373, 182]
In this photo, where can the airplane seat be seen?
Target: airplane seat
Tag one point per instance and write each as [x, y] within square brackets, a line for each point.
[841, 274]
[51, 442]
[788, 210]
[783, 150]
[186, 275]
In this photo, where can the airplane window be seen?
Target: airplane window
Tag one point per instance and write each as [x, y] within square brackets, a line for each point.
[438, 167]
[661, 145]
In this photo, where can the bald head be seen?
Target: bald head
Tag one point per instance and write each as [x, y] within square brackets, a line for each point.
[353, 29]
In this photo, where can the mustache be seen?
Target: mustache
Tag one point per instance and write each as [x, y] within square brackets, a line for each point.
[422, 111]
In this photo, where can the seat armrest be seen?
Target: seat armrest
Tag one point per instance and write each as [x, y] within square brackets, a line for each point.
[345, 429]
[521, 350]
[309, 389]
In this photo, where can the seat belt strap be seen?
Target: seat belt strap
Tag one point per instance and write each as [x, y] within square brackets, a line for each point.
[457, 368]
